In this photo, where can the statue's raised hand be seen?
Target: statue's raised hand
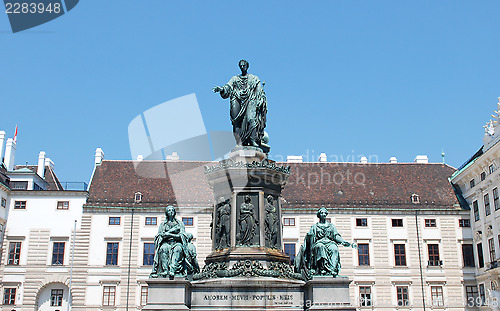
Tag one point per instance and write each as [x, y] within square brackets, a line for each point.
[346, 244]
[217, 89]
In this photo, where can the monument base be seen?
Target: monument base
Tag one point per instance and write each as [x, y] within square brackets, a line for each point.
[249, 293]
[328, 293]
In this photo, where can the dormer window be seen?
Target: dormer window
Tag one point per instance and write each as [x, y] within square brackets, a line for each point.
[415, 198]
[138, 197]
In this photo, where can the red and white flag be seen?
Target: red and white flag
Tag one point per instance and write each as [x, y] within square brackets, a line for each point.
[15, 136]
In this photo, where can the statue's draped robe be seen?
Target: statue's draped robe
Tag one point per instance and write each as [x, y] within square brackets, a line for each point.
[248, 224]
[248, 108]
[320, 254]
[170, 253]
[192, 266]
[272, 225]
[223, 225]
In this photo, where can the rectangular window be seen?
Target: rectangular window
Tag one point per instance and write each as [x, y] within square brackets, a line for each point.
[290, 222]
[476, 210]
[365, 296]
[487, 210]
[433, 250]
[151, 221]
[430, 222]
[4, 202]
[472, 295]
[399, 255]
[56, 297]
[491, 248]
[491, 168]
[483, 176]
[363, 254]
[114, 220]
[144, 295]
[289, 249]
[499, 240]
[14, 253]
[472, 183]
[63, 205]
[464, 223]
[58, 253]
[9, 296]
[149, 254]
[112, 254]
[482, 294]
[468, 255]
[20, 205]
[496, 203]
[402, 294]
[361, 222]
[108, 295]
[188, 221]
[480, 258]
[437, 296]
[19, 185]
[397, 222]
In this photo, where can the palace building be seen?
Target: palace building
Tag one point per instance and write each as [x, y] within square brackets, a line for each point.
[412, 228]
[478, 180]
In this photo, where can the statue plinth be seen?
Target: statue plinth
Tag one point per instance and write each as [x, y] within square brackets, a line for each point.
[328, 293]
[246, 227]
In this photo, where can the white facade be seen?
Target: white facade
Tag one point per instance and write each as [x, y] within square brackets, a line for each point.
[479, 182]
[111, 261]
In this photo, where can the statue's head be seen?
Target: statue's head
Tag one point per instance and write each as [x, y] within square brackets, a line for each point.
[189, 236]
[247, 199]
[243, 64]
[322, 213]
[170, 211]
[221, 199]
[270, 198]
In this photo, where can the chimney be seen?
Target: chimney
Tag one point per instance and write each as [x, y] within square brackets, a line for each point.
[173, 157]
[294, 159]
[99, 156]
[41, 164]
[393, 160]
[322, 157]
[421, 159]
[2, 143]
[364, 160]
[10, 154]
[49, 163]
[140, 157]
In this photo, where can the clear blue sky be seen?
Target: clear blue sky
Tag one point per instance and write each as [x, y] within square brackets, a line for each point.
[384, 78]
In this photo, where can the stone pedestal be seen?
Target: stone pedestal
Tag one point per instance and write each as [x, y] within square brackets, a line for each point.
[328, 293]
[247, 175]
[249, 293]
[242, 293]
[165, 294]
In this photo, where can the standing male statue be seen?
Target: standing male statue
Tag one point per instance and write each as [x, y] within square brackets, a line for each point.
[248, 106]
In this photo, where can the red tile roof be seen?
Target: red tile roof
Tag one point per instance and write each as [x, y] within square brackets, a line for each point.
[336, 185]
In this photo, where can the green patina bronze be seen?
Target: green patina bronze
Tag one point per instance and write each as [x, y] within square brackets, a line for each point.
[175, 255]
[319, 255]
[248, 108]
